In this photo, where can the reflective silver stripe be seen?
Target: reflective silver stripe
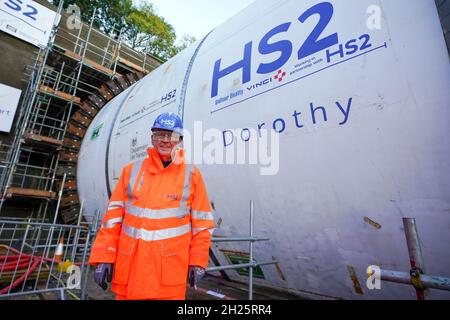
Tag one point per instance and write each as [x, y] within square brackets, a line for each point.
[186, 186]
[133, 177]
[140, 182]
[202, 215]
[197, 230]
[112, 222]
[155, 214]
[153, 235]
[179, 212]
[115, 205]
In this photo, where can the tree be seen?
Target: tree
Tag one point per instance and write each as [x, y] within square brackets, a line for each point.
[142, 29]
[150, 32]
[186, 41]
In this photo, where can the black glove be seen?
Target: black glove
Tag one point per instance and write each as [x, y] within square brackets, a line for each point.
[103, 273]
[195, 274]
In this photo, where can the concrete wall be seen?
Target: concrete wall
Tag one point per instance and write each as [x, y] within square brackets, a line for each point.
[15, 55]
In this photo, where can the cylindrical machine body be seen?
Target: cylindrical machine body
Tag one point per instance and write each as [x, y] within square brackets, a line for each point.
[358, 94]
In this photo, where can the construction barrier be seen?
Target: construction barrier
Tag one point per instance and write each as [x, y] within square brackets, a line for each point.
[42, 257]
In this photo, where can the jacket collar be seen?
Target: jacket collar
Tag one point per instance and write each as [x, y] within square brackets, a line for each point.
[155, 164]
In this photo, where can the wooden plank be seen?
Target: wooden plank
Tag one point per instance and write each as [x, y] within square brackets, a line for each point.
[98, 67]
[71, 210]
[69, 184]
[70, 197]
[68, 156]
[131, 78]
[69, 200]
[114, 87]
[67, 96]
[96, 100]
[123, 83]
[70, 214]
[71, 143]
[105, 93]
[31, 193]
[89, 108]
[69, 170]
[91, 63]
[76, 130]
[81, 119]
[132, 65]
[59, 94]
[46, 89]
[35, 137]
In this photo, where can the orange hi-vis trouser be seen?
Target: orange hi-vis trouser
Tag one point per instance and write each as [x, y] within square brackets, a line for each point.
[158, 222]
[179, 297]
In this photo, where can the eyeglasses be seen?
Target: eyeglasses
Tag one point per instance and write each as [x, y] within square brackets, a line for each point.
[169, 136]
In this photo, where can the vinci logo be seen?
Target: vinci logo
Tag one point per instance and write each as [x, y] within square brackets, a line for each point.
[314, 43]
[280, 75]
[277, 77]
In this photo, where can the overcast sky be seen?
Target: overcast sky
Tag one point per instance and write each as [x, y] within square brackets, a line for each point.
[197, 17]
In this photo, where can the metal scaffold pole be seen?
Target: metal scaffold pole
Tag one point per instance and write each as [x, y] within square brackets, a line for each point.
[416, 275]
[415, 252]
[27, 106]
[117, 58]
[252, 263]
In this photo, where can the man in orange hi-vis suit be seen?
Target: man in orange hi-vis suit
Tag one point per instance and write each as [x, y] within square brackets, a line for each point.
[157, 230]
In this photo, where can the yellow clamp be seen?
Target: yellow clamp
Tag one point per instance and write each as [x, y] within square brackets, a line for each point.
[416, 280]
[63, 266]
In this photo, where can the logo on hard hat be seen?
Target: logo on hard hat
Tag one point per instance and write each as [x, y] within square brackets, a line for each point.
[168, 122]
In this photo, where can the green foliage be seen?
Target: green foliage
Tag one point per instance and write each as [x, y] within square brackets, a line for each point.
[141, 27]
[186, 41]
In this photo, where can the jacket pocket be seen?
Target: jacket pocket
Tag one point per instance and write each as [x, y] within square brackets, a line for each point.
[175, 259]
[124, 257]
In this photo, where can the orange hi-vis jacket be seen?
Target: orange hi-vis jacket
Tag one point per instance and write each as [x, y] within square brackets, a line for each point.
[158, 222]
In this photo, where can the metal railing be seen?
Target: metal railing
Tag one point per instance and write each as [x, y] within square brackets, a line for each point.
[114, 49]
[3, 157]
[62, 80]
[38, 257]
[252, 263]
[31, 176]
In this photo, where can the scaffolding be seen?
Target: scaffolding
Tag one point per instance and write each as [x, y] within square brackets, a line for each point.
[251, 238]
[416, 276]
[40, 258]
[72, 78]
